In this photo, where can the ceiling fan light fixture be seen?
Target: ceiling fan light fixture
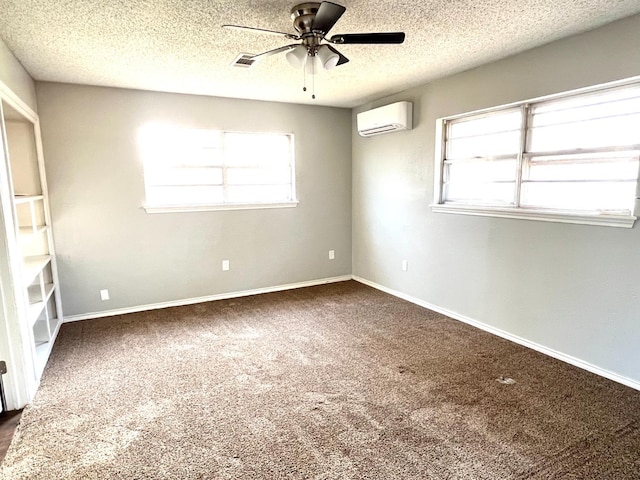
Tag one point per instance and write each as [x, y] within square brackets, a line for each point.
[297, 57]
[313, 65]
[328, 58]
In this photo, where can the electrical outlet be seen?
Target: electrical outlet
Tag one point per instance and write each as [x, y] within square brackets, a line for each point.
[225, 265]
[405, 265]
[332, 254]
[104, 294]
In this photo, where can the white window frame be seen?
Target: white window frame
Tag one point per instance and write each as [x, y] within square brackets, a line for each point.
[515, 212]
[188, 207]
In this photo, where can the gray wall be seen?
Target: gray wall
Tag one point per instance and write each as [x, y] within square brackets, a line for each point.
[572, 288]
[14, 76]
[104, 239]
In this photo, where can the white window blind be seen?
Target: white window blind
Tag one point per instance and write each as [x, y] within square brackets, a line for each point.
[481, 158]
[575, 154]
[209, 168]
[582, 152]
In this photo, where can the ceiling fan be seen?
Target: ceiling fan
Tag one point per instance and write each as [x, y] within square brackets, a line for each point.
[313, 21]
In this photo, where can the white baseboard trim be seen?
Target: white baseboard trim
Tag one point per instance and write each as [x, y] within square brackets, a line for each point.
[508, 336]
[208, 298]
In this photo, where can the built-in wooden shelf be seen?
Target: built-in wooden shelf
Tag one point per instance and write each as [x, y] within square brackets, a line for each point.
[18, 199]
[32, 266]
[38, 298]
[27, 233]
[36, 316]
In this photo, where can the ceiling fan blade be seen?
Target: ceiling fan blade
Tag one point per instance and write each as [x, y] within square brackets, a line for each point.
[262, 30]
[342, 59]
[378, 38]
[327, 16]
[275, 51]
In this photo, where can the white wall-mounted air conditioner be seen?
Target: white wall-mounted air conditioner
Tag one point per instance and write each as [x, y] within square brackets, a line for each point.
[387, 119]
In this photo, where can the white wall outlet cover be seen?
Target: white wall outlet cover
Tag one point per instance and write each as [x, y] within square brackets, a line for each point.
[332, 254]
[104, 294]
[405, 265]
[225, 265]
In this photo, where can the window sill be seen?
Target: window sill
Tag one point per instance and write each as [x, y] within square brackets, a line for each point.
[623, 221]
[211, 208]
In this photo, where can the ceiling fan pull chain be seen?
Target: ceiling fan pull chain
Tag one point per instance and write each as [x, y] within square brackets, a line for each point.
[304, 79]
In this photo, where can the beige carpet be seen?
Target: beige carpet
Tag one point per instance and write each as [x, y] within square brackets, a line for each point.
[331, 382]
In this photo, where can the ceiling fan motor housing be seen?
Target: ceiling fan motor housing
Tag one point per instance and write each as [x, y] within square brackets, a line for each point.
[303, 15]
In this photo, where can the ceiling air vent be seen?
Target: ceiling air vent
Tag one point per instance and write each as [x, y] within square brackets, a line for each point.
[244, 60]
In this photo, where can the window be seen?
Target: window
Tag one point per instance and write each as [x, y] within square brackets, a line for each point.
[199, 169]
[572, 158]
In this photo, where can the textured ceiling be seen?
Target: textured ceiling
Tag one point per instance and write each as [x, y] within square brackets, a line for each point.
[179, 46]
